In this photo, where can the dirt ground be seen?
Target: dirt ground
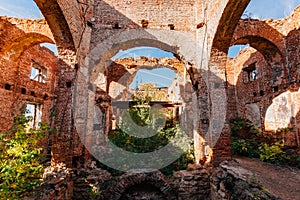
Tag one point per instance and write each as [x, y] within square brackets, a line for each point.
[282, 181]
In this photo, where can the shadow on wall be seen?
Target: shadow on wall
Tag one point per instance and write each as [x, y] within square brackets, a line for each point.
[119, 32]
[284, 113]
[293, 49]
[28, 71]
[271, 100]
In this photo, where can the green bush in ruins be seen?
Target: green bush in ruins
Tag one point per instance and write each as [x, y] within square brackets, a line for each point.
[20, 158]
[171, 133]
[250, 141]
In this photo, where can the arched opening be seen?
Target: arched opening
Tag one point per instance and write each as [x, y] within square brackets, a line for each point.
[135, 185]
[63, 24]
[282, 117]
[254, 73]
[35, 11]
[268, 49]
[113, 75]
[262, 67]
[261, 35]
[259, 74]
[51, 47]
[167, 101]
[18, 45]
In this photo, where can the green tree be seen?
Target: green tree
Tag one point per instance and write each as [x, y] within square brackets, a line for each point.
[20, 158]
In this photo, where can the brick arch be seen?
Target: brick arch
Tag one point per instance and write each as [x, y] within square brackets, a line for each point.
[256, 28]
[177, 43]
[128, 45]
[128, 67]
[57, 21]
[156, 179]
[14, 30]
[270, 51]
[92, 75]
[16, 26]
[123, 71]
[227, 24]
[18, 45]
[262, 37]
[75, 15]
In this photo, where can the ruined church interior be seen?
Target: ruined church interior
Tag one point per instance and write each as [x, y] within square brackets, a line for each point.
[153, 100]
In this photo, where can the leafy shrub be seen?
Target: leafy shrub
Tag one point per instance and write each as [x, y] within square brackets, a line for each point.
[162, 138]
[245, 147]
[244, 137]
[271, 153]
[20, 150]
[142, 116]
[291, 158]
[250, 141]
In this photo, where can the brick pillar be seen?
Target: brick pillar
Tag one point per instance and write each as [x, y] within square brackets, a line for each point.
[63, 136]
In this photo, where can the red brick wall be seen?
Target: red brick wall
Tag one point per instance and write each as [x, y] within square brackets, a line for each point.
[159, 14]
[17, 74]
[254, 99]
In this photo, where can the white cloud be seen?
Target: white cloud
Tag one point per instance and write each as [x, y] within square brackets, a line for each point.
[289, 6]
[271, 8]
[20, 8]
[5, 11]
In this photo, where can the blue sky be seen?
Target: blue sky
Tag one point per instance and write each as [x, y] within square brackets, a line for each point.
[265, 9]
[23, 9]
[161, 76]
[260, 9]
[143, 51]
[20, 8]
[257, 8]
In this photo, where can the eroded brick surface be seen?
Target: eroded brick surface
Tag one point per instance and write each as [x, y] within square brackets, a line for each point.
[271, 100]
[89, 33]
[17, 89]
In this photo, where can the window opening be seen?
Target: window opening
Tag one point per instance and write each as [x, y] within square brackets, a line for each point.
[38, 73]
[250, 73]
[34, 111]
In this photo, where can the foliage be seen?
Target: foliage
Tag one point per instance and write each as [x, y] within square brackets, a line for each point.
[20, 149]
[244, 129]
[94, 192]
[245, 147]
[162, 138]
[249, 140]
[271, 153]
[170, 133]
[280, 130]
[244, 137]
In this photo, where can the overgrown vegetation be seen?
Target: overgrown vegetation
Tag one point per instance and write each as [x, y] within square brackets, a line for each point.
[249, 140]
[20, 158]
[142, 117]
